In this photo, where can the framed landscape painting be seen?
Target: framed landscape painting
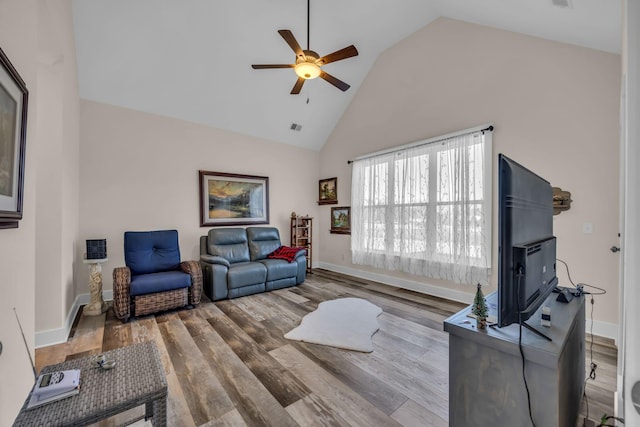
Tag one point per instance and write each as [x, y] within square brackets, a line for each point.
[341, 220]
[232, 199]
[13, 133]
[328, 191]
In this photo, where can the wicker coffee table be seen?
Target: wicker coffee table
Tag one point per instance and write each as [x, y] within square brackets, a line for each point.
[137, 379]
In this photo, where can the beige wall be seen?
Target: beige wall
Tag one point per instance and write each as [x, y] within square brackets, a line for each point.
[140, 172]
[37, 37]
[555, 110]
[57, 165]
[18, 29]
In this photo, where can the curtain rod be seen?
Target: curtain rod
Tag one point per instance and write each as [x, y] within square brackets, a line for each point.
[488, 128]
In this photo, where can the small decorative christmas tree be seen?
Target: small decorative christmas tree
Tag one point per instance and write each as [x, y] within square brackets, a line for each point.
[480, 308]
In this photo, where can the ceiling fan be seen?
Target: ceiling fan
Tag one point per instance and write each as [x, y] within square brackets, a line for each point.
[308, 63]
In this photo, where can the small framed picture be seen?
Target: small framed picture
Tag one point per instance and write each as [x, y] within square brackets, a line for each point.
[341, 220]
[328, 191]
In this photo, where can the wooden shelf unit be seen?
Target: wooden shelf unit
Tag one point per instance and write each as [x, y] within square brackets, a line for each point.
[301, 232]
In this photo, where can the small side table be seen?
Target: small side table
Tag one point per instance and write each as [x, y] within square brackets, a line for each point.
[97, 305]
[138, 379]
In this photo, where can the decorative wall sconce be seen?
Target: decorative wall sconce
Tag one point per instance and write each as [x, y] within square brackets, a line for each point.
[561, 200]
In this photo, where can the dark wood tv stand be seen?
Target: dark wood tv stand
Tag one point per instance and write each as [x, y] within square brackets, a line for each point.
[485, 369]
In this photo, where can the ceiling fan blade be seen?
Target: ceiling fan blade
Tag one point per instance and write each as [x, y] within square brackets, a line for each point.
[292, 42]
[298, 86]
[263, 66]
[334, 81]
[345, 53]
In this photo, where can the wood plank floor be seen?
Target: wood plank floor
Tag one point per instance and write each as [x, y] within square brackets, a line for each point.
[227, 363]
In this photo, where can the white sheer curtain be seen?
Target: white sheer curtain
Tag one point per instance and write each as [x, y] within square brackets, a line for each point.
[426, 209]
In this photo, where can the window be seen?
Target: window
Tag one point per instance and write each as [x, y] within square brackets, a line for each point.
[426, 208]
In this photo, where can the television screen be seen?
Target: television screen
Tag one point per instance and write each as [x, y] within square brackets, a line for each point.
[527, 247]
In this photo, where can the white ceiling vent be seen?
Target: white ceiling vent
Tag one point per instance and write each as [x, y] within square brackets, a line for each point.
[296, 127]
[563, 3]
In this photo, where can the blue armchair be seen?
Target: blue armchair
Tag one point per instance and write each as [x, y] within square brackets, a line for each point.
[154, 279]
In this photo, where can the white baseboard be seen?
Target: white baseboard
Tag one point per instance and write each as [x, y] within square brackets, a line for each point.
[425, 288]
[60, 335]
[602, 329]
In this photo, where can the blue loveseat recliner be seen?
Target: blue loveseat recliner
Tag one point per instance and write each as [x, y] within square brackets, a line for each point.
[234, 262]
[154, 279]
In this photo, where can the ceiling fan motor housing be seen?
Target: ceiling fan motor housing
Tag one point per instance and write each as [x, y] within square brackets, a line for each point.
[306, 66]
[310, 56]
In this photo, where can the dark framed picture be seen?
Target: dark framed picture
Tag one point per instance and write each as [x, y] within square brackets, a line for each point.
[232, 199]
[341, 220]
[328, 191]
[13, 135]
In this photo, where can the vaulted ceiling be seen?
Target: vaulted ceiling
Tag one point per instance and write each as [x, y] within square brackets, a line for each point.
[191, 59]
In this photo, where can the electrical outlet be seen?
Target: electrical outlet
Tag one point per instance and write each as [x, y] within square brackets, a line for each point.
[587, 228]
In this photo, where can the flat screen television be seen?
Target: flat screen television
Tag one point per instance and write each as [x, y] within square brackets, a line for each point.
[527, 247]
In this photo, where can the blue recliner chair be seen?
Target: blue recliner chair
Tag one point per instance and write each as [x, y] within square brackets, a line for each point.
[154, 279]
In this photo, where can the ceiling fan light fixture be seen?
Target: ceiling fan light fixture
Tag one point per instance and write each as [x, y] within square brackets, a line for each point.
[308, 62]
[307, 70]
